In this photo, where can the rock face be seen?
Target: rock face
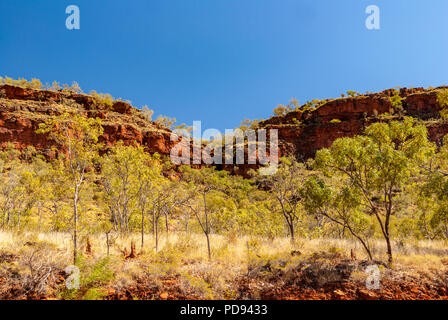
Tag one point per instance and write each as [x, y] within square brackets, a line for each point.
[301, 133]
[21, 111]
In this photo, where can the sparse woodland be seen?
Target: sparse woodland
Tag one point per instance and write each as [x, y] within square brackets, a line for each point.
[128, 219]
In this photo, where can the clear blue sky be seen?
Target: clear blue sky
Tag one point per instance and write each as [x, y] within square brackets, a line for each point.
[220, 61]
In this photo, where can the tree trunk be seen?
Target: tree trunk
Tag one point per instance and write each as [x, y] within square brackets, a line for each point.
[386, 227]
[291, 229]
[157, 233]
[143, 227]
[75, 226]
[208, 246]
[166, 224]
[18, 221]
[389, 250]
[107, 243]
[207, 227]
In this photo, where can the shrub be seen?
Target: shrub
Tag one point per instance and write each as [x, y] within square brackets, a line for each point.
[396, 101]
[442, 99]
[352, 93]
[147, 113]
[104, 99]
[93, 278]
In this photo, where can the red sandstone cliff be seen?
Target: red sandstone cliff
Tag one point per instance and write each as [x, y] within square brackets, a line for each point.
[21, 111]
[301, 133]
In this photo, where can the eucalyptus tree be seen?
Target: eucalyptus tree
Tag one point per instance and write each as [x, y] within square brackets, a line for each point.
[123, 171]
[77, 136]
[340, 205]
[434, 194]
[284, 186]
[377, 166]
[202, 184]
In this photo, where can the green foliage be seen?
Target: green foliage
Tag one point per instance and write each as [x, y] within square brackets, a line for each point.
[442, 99]
[313, 104]
[377, 164]
[284, 185]
[388, 182]
[352, 93]
[93, 278]
[165, 121]
[33, 84]
[103, 99]
[249, 124]
[339, 205]
[123, 171]
[283, 110]
[36, 84]
[397, 102]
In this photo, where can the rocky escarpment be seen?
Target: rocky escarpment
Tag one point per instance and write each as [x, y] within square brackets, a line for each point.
[21, 111]
[302, 133]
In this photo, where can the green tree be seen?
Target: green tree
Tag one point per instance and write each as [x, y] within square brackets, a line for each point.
[340, 205]
[352, 93]
[378, 165]
[203, 184]
[121, 169]
[435, 193]
[78, 137]
[442, 99]
[284, 186]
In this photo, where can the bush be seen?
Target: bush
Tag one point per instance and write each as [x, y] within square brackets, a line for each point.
[442, 99]
[396, 101]
[93, 278]
[352, 93]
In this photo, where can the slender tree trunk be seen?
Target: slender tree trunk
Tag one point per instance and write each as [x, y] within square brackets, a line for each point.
[126, 220]
[153, 219]
[40, 218]
[389, 251]
[107, 242]
[386, 227]
[75, 226]
[207, 227]
[208, 246]
[143, 227]
[166, 223]
[364, 244]
[291, 231]
[8, 218]
[166, 227]
[157, 233]
[18, 221]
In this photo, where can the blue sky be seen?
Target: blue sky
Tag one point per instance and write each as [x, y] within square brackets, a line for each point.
[220, 61]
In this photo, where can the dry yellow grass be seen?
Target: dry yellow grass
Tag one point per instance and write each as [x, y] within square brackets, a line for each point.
[185, 257]
[235, 249]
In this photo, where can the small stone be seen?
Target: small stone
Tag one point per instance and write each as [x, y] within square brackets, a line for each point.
[164, 295]
[367, 295]
[339, 294]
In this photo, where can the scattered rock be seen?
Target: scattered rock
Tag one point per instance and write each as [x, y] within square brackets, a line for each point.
[164, 295]
[339, 294]
[367, 295]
